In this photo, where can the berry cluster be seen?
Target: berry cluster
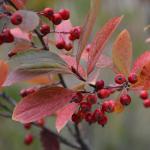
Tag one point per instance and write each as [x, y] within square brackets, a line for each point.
[94, 107]
[144, 96]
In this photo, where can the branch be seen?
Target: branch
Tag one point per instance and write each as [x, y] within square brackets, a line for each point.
[62, 81]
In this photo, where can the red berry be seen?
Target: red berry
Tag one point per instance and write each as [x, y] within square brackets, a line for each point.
[144, 94]
[108, 106]
[97, 115]
[76, 118]
[89, 118]
[48, 12]
[88, 47]
[65, 14]
[75, 33]
[120, 79]
[68, 46]
[60, 44]
[7, 36]
[132, 78]
[78, 97]
[92, 98]
[16, 19]
[28, 139]
[45, 29]
[41, 122]
[103, 93]
[103, 121]
[125, 100]
[85, 106]
[56, 19]
[146, 103]
[27, 126]
[100, 84]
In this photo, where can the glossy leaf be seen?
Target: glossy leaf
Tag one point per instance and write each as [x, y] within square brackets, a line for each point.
[100, 40]
[45, 102]
[87, 27]
[64, 115]
[49, 140]
[3, 71]
[122, 53]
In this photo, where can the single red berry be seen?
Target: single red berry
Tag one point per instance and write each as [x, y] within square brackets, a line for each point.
[103, 93]
[75, 33]
[23, 93]
[146, 103]
[92, 98]
[88, 48]
[120, 79]
[78, 97]
[85, 106]
[7, 36]
[56, 19]
[89, 118]
[143, 94]
[108, 106]
[28, 139]
[103, 121]
[68, 46]
[60, 44]
[65, 14]
[71, 37]
[125, 100]
[97, 115]
[27, 126]
[41, 122]
[76, 118]
[45, 29]
[48, 12]
[100, 84]
[132, 78]
[11, 54]
[16, 19]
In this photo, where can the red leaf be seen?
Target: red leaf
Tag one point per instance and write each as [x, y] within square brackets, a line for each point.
[141, 61]
[65, 26]
[45, 102]
[100, 40]
[87, 27]
[64, 115]
[49, 140]
[122, 53]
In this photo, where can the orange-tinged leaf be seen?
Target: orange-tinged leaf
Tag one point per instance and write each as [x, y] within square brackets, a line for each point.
[100, 40]
[3, 71]
[64, 115]
[122, 52]
[118, 107]
[44, 102]
[87, 27]
[141, 61]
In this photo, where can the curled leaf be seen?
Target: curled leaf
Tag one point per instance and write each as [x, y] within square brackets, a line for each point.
[44, 102]
[122, 53]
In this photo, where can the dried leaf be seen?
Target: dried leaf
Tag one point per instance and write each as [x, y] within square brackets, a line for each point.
[87, 28]
[100, 40]
[49, 140]
[64, 115]
[44, 102]
[122, 53]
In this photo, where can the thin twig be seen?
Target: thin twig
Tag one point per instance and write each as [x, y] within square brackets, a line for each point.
[62, 81]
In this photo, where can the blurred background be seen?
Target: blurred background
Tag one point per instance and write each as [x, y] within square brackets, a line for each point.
[127, 130]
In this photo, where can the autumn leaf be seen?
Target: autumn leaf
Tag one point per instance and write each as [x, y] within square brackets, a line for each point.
[100, 40]
[87, 27]
[64, 115]
[44, 102]
[118, 107]
[49, 140]
[122, 53]
[3, 71]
